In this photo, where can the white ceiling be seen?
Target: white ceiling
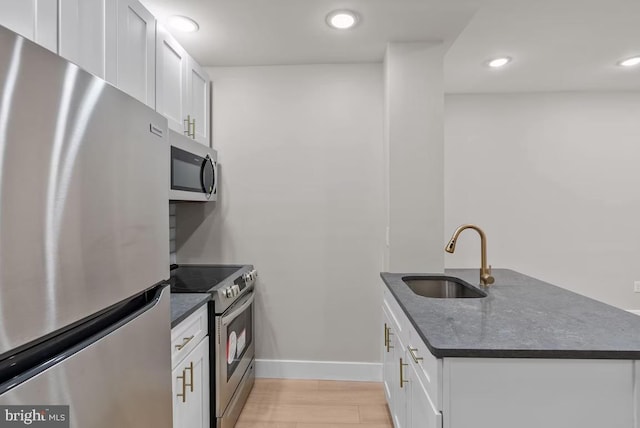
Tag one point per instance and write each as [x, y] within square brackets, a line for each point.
[557, 45]
[261, 32]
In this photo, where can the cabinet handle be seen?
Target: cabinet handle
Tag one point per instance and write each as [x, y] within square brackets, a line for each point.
[187, 125]
[402, 380]
[185, 340]
[386, 337]
[184, 386]
[412, 352]
[193, 132]
[190, 368]
[389, 334]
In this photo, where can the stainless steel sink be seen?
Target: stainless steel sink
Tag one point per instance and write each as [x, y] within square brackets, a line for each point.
[442, 287]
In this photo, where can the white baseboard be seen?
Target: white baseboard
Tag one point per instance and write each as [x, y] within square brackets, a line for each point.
[633, 311]
[323, 370]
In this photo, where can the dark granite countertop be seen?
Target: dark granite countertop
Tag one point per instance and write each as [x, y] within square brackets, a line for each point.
[184, 304]
[522, 317]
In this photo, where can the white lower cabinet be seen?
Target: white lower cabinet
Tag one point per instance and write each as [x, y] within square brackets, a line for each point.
[407, 397]
[420, 410]
[190, 362]
[191, 389]
[427, 392]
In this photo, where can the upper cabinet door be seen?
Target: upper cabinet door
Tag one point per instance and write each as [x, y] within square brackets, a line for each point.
[82, 34]
[171, 83]
[37, 20]
[131, 36]
[198, 101]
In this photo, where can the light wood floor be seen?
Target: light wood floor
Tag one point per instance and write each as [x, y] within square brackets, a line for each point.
[286, 403]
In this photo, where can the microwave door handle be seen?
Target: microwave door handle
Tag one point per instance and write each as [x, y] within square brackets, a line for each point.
[203, 176]
[203, 172]
[214, 165]
[233, 315]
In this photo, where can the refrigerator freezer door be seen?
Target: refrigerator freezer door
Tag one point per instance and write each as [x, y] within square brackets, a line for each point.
[84, 222]
[121, 380]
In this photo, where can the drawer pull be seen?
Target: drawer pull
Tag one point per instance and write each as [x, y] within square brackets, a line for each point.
[402, 379]
[412, 352]
[185, 340]
[190, 368]
[184, 386]
[388, 337]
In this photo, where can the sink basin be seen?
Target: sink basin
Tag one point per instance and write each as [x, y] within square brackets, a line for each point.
[442, 287]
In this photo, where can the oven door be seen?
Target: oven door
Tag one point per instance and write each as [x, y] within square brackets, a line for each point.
[235, 349]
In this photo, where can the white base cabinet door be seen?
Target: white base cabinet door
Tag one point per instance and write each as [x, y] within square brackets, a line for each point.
[191, 389]
[82, 34]
[131, 52]
[420, 410]
[37, 20]
[388, 360]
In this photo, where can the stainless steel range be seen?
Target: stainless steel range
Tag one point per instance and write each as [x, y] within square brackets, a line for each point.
[231, 327]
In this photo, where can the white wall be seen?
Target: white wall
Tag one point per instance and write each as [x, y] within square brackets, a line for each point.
[414, 144]
[554, 179]
[301, 198]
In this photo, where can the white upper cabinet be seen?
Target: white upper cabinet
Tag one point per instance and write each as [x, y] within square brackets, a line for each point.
[37, 20]
[82, 35]
[182, 89]
[198, 101]
[171, 81]
[131, 48]
[121, 42]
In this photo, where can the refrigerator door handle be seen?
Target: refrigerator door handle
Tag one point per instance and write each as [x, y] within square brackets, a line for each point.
[18, 367]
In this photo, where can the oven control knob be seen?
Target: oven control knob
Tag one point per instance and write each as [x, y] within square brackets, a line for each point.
[236, 289]
[250, 276]
[228, 292]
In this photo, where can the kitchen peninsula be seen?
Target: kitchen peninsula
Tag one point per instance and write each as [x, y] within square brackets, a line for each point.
[528, 354]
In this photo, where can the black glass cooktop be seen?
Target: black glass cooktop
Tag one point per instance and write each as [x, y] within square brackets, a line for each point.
[201, 278]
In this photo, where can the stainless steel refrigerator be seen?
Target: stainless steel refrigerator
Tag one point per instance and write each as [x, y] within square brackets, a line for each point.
[84, 313]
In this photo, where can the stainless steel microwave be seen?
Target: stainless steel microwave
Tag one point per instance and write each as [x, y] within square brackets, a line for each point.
[194, 170]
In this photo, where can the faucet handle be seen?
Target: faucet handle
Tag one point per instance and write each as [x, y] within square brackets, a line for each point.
[486, 278]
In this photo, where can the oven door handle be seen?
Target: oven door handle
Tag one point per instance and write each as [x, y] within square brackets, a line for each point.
[226, 319]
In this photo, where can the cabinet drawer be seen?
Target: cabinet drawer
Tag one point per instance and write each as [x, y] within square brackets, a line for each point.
[428, 367]
[186, 335]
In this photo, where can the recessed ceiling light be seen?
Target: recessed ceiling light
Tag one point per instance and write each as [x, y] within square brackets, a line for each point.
[342, 19]
[182, 23]
[499, 62]
[630, 62]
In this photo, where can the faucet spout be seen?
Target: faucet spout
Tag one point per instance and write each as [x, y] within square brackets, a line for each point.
[485, 271]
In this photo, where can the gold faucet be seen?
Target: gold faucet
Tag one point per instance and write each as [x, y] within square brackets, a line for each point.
[485, 271]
